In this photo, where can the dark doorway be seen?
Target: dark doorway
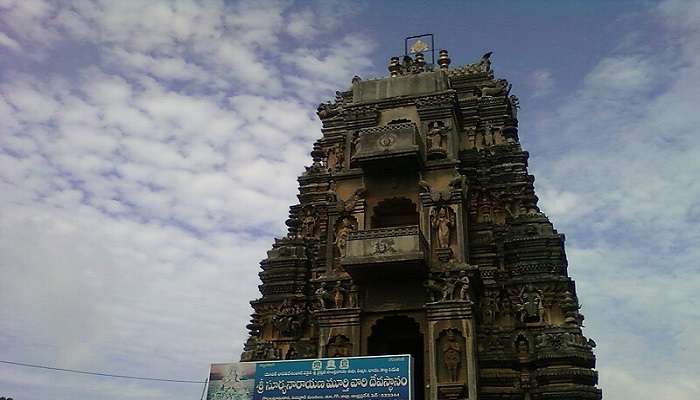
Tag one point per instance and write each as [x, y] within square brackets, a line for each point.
[394, 212]
[400, 335]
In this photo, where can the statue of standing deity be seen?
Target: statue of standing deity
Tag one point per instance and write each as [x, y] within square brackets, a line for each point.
[452, 354]
[442, 222]
[341, 235]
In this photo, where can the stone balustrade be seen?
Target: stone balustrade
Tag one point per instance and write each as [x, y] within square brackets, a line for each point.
[402, 246]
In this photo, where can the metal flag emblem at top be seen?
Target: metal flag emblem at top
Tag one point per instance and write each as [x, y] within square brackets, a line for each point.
[419, 46]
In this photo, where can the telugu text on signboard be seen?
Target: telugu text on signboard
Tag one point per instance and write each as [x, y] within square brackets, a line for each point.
[378, 377]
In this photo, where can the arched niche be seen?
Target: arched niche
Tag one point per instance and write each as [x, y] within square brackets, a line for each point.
[396, 211]
[396, 335]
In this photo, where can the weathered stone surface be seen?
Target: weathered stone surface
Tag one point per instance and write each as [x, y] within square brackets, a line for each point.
[408, 85]
[418, 231]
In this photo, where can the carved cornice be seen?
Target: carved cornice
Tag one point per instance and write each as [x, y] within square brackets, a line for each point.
[384, 232]
[470, 70]
[538, 268]
[388, 128]
[439, 100]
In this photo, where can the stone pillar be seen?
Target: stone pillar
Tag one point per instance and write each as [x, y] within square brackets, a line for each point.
[334, 324]
[452, 350]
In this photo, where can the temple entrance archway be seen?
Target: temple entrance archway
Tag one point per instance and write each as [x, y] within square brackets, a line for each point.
[400, 335]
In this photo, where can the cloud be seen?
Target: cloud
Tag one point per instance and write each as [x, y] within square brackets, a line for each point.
[618, 175]
[142, 186]
[9, 42]
[542, 82]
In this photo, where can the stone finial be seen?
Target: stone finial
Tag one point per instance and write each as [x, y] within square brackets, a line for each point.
[444, 59]
[394, 67]
[420, 62]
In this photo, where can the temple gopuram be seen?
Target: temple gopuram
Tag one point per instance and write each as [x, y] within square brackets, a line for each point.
[418, 232]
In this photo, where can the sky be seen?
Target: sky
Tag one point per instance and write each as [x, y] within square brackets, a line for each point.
[149, 152]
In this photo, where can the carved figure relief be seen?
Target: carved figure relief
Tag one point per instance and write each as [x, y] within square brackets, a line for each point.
[383, 247]
[355, 145]
[451, 347]
[447, 287]
[499, 87]
[442, 221]
[289, 318]
[463, 282]
[489, 309]
[260, 350]
[343, 229]
[339, 346]
[436, 139]
[315, 168]
[330, 110]
[355, 199]
[488, 136]
[470, 137]
[514, 103]
[522, 346]
[321, 297]
[531, 307]
[562, 340]
[309, 225]
[299, 350]
[335, 158]
[338, 296]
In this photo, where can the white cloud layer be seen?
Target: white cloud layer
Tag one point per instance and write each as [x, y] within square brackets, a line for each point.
[141, 187]
[618, 173]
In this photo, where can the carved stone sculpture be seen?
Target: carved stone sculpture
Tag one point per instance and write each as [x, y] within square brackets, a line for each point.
[464, 288]
[436, 139]
[497, 88]
[335, 157]
[448, 289]
[530, 308]
[260, 350]
[308, 225]
[489, 309]
[451, 348]
[320, 297]
[447, 286]
[514, 105]
[442, 221]
[347, 225]
[338, 296]
[289, 318]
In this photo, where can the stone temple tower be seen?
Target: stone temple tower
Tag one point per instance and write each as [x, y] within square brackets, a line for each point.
[418, 231]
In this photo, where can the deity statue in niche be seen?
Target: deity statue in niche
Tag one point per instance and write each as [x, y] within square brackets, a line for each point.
[451, 348]
[442, 221]
[308, 224]
[436, 139]
[347, 225]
